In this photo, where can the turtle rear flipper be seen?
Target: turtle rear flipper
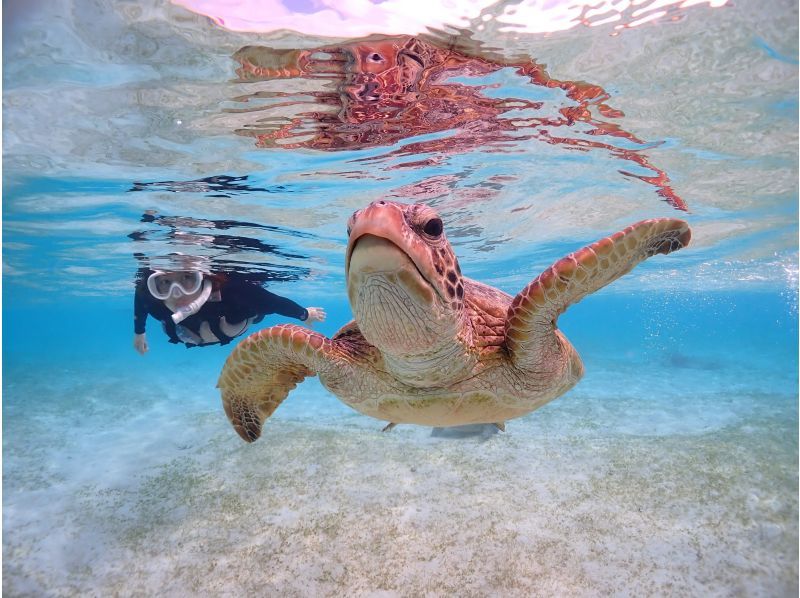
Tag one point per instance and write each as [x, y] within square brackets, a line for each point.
[531, 336]
[264, 368]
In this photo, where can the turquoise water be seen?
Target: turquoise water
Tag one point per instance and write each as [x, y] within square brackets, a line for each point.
[670, 469]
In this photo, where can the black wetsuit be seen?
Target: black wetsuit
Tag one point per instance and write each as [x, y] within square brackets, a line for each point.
[240, 300]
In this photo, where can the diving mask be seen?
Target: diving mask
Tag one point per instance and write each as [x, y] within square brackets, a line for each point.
[162, 285]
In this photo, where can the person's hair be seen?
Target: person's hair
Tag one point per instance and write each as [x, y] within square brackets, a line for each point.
[218, 279]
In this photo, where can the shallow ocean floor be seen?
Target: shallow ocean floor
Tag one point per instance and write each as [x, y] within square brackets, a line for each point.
[116, 486]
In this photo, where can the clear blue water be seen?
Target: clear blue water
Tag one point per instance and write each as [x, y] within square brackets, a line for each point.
[670, 469]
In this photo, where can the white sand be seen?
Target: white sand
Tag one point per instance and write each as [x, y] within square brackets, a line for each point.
[111, 489]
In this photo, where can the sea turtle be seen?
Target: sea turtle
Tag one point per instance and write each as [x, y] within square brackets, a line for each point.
[428, 345]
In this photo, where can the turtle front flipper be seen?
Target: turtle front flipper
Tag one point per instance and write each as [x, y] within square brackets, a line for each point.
[265, 367]
[531, 336]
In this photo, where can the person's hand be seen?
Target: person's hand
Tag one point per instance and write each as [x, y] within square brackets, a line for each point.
[315, 314]
[140, 343]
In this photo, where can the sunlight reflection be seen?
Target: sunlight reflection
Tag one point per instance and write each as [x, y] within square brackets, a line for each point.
[364, 17]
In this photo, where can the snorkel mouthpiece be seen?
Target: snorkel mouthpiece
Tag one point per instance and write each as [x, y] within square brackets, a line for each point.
[184, 311]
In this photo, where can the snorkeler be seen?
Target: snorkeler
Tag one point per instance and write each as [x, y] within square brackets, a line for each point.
[199, 308]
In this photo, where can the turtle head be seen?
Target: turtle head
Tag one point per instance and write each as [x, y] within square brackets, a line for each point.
[403, 280]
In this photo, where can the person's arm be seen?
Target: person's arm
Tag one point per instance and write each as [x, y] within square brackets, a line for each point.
[263, 302]
[139, 312]
[284, 306]
[141, 309]
[139, 321]
[315, 314]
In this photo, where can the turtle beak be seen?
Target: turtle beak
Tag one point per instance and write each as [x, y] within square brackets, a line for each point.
[380, 219]
[387, 220]
[390, 243]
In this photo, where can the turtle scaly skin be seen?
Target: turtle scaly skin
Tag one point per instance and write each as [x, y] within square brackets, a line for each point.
[428, 345]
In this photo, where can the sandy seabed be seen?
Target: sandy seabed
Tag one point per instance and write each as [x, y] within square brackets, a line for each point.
[112, 489]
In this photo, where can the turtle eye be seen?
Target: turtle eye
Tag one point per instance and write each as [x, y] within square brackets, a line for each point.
[349, 228]
[433, 227]
[375, 57]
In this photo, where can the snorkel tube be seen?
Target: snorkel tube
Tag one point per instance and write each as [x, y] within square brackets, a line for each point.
[184, 311]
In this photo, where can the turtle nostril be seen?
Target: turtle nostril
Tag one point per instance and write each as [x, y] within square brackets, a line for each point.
[381, 203]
